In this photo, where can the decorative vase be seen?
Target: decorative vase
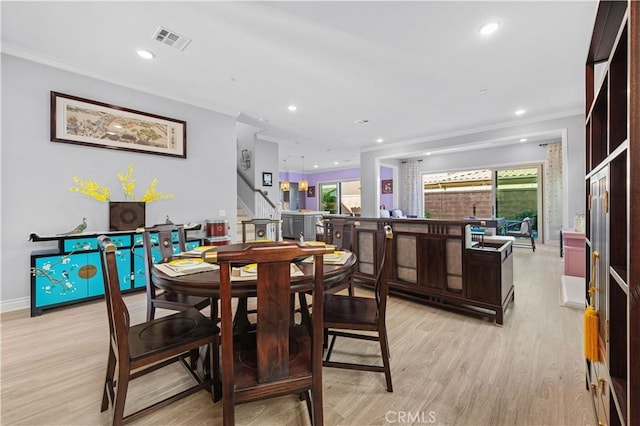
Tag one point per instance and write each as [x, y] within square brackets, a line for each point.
[126, 215]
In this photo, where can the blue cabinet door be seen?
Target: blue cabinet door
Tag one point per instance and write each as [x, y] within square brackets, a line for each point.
[62, 278]
[95, 284]
[139, 273]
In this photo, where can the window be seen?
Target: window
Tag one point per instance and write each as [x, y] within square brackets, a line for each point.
[340, 197]
[512, 194]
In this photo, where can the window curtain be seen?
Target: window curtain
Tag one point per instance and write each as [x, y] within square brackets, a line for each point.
[553, 191]
[412, 198]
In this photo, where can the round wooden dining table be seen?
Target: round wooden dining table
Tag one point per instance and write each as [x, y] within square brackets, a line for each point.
[207, 283]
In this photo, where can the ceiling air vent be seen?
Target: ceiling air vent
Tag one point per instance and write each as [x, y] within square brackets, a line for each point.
[171, 38]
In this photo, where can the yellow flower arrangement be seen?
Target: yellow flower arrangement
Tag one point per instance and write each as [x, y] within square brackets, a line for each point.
[127, 182]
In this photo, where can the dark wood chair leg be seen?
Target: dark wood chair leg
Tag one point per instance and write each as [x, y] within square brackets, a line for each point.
[333, 341]
[108, 381]
[216, 375]
[213, 310]
[121, 394]
[304, 311]
[384, 348]
[151, 310]
[318, 414]
[194, 355]
[228, 404]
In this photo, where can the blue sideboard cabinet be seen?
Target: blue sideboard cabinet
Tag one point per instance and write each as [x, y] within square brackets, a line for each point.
[71, 273]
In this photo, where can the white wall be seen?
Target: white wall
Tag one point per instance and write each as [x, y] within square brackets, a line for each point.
[520, 154]
[37, 173]
[264, 158]
[246, 140]
[570, 130]
[267, 161]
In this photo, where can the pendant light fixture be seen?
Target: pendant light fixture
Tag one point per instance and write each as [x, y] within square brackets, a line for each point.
[285, 186]
[303, 184]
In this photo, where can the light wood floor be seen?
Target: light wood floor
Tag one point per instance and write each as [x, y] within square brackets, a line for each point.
[447, 368]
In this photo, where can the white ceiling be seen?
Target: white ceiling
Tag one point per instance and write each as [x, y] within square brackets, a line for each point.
[413, 69]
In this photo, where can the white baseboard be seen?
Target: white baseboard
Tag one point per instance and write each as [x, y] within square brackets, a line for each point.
[15, 304]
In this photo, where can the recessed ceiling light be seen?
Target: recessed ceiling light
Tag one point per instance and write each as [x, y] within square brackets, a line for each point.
[145, 54]
[523, 140]
[292, 108]
[427, 153]
[335, 163]
[519, 112]
[489, 28]
[315, 166]
[379, 140]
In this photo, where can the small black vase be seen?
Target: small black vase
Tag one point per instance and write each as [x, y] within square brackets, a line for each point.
[126, 215]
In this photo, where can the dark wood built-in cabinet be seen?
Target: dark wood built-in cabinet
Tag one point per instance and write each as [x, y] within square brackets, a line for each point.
[432, 269]
[612, 183]
[436, 261]
[489, 277]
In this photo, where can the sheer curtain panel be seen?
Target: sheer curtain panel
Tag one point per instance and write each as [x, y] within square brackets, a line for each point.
[412, 198]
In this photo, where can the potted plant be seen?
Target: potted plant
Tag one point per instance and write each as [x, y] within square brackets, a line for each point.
[123, 215]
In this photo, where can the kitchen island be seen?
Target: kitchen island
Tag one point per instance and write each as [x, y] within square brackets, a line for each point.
[306, 222]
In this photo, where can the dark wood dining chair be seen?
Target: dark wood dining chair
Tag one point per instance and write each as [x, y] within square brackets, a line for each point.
[140, 349]
[156, 298]
[357, 314]
[262, 229]
[342, 234]
[279, 357]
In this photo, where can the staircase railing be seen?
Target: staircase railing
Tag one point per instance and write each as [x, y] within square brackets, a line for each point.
[255, 201]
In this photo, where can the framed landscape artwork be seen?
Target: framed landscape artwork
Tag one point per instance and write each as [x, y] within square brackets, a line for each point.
[85, 122]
